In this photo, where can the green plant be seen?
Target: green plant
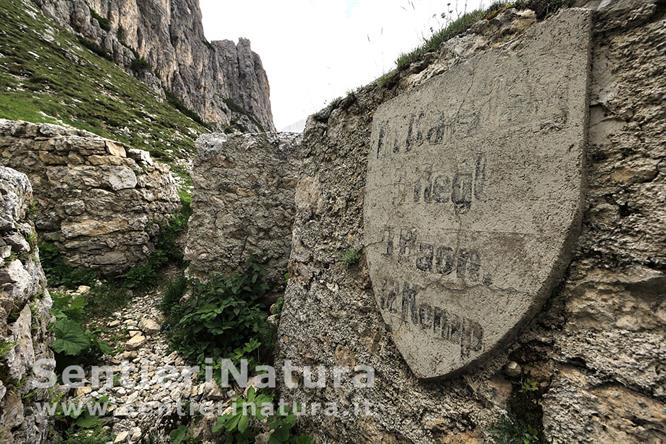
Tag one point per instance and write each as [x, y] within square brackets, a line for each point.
[167, 251]
[455, 28]
[5, 347]
[175, 289]
[182, 435]
[95, 48]
[543, 8]
[139, 65]
[121, 34]
[59, 273]
[253, 413]
[180, 106]
[79, 427]
[47, 75]
[222, 318]
[104, 23]
[72, 341]
[509, 430]
[351, 257]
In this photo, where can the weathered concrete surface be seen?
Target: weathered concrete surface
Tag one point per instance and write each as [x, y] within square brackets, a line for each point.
[474, 194]
[100, 202]
[24, 316]
[605, 322]
[243, 203]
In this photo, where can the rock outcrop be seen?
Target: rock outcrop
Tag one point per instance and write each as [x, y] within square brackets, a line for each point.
[589, 368]
[243, 203]
[24, 316]
[163, 42]
[100, 202]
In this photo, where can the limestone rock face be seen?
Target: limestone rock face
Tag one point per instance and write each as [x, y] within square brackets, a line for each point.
[24, 315]
[243, 203]
[99, 202]
[595, 352]
[224, 82]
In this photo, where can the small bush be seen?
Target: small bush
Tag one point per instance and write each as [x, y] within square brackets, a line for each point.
[95, 48]
[223, 318]
[351, 257]
[104, 23]
[180, 106]
[139, 65]
[167, 251]
[242, 424]
[454, 29]
[121, 34]
[73, 343]
[59, 273]
[543, 8]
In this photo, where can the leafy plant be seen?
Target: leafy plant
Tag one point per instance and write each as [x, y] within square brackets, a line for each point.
[167, 251]
[246, 418]
[72, 341]
[453, 29]
[59, 273]
[182, 435]
[104, 23]
[224, 317]
[351, 257]
[509, 430]
[79, 426]
[5, 347]
[139, 65]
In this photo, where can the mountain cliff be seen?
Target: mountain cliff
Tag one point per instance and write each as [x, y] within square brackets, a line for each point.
[162, 42]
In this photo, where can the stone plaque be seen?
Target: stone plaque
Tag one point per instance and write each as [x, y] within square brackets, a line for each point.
[474, 195]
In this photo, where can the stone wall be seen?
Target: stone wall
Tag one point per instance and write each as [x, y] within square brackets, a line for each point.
[98, 201]
[243, 203]
[24, 315]
[594, 355]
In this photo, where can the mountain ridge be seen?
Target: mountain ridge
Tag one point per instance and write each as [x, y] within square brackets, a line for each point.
[162, 42]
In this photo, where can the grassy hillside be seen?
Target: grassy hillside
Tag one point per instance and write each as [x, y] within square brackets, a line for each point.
[49, 75]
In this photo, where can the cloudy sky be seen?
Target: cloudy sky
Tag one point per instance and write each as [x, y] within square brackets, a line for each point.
[317, 50]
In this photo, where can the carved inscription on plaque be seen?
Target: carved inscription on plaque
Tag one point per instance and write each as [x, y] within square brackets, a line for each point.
[473, 195]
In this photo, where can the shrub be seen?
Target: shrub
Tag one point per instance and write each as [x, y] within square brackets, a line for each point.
[246, 420]
[94, 47]
[167, 251]
[59, 273]
[223, 318]
[121, 34]
[104, 23]
[180, 106]
[73, 343]
[351, 257]
[455, 28]
[139, 65]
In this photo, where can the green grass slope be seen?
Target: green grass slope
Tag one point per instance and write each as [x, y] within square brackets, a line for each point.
[48, 76]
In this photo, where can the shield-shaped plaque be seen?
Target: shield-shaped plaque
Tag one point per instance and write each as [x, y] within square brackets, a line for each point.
[474, 194]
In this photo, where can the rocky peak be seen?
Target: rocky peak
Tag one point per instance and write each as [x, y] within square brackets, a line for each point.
[163, 43]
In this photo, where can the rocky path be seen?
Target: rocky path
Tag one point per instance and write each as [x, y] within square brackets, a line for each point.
[152, 388]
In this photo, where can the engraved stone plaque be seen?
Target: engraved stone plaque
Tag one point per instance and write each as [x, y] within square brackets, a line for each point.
[474, 192]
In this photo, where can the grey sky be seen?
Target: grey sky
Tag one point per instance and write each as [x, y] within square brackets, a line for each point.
[317, 50]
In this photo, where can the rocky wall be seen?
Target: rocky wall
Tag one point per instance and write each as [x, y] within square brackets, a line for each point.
[224, 82]
[591, 364]
[24, 316]
[100, 202]
[243, 203]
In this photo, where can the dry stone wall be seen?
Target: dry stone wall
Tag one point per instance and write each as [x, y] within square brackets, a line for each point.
[100, 202]
[24, 316]
[243, 203]
[593, 356]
